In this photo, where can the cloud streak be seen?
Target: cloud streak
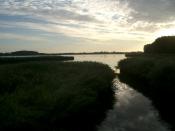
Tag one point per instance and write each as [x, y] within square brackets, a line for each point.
[20, 37]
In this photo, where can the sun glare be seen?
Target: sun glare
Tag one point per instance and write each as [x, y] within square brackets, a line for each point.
[166, 32]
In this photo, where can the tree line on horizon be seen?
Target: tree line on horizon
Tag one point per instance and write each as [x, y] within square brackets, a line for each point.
[162, 45]
[25, 52]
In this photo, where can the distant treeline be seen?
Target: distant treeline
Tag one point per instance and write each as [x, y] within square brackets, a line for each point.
[20, 53]
[91, 53]
[165, 44]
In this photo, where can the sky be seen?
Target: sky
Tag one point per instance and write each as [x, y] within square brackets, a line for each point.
[56, 26]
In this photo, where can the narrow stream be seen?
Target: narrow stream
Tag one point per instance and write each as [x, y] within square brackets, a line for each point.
[132, 111]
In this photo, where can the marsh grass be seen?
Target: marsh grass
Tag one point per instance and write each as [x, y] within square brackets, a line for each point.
[50, 96]
[154, 76]
[28, 58]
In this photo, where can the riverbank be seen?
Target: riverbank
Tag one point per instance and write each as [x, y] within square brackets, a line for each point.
[19, 59]
[154, 76]
[52, 95]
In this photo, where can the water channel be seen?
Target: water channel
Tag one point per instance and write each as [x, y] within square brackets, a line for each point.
[132, 111]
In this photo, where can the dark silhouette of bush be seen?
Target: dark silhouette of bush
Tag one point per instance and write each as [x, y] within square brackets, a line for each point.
[163, 45]
[154, 76]
[54, 96]
[133, 54]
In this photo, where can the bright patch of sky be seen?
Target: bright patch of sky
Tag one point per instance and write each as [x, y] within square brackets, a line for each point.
[83, 25]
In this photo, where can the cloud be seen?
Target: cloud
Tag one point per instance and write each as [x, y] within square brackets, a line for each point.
[151, 10]
[51, 8]
[21, 18]
[20, 37]
[95, 20]
[63, 14]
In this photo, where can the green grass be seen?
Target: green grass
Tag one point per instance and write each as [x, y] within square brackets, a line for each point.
[154, 76]
[54, 95]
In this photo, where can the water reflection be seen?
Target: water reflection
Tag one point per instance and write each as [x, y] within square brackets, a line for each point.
[132, 111]
[110, 59]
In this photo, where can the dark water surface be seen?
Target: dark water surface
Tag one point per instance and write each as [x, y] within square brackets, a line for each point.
[132, 111]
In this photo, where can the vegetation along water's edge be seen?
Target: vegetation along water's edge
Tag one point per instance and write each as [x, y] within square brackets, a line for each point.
[19, 59]
[47, 96]
[153, 74]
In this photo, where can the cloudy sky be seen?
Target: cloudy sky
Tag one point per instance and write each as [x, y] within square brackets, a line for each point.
[83, 25]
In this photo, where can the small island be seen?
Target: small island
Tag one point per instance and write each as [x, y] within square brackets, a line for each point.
[153, 74]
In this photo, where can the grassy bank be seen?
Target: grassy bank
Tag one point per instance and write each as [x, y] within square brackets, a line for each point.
[19, 59]
[50, 96]
[154, 76]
